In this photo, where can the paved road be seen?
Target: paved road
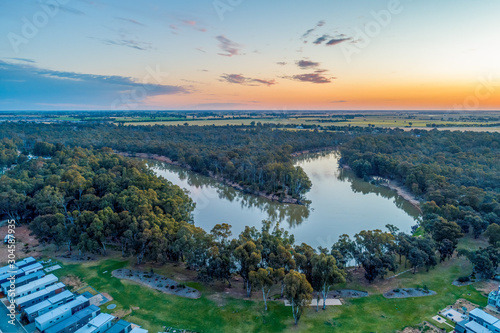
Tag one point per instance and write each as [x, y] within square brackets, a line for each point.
[5, 327]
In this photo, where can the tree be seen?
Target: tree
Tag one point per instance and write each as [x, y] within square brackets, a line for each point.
[493, 234]
[248, 257]
[265, 279]
[325, 273]
[297, 292]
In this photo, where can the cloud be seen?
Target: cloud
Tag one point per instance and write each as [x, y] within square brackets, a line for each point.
[22, 59]
[28, 87]
[335, 41]
[310, 31]
[135, 44]
[321, 39]
[228, 46]
[130, 20]
[312, 77]
[240, 79]
[305, 64]
[281, 63]
[339, 101]
[188, 22]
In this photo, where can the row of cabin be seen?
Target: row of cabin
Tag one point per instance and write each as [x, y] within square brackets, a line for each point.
[45, 301]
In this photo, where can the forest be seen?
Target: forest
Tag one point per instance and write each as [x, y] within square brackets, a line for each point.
[87, 199]
[256, 157]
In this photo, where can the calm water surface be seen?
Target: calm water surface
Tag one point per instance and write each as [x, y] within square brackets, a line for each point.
[341, 203]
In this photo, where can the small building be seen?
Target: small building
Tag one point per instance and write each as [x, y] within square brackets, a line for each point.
[55, 301]
[25, 262]
[39, 296]
[121, 326]
[61, 313]
[32, 268]
[139, 330]
[35, 286]
[98, 325]
[76, 321]
[494, 298]
[21, 281]
[478, 322]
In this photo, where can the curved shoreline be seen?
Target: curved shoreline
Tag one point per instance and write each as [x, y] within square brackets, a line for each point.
[224, 181]
[398, 188]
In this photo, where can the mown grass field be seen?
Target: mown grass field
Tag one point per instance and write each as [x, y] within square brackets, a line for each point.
[221, 311]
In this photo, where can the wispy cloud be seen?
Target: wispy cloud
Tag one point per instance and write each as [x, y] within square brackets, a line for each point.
[335, 41]
[130, 20]
[22, 59]
[228, 46]
[311, 77]
[339, 101]
[281, 63]
[135, 44]
[310, 31]
[247, 81]
[306, 64]
[321, 39]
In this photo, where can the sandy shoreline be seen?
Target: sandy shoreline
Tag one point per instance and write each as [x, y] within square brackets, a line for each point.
[403, 192]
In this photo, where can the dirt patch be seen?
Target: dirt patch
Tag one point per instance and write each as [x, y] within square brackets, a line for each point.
[26, 244]
[72, 281]
[107, 296]
[122, 313]
[158, 282]
[408, 292]
[460, 304]
[485, 287]
[424, 327]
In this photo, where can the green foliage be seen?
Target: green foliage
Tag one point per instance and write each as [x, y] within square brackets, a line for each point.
[87, 198]
[298, 293]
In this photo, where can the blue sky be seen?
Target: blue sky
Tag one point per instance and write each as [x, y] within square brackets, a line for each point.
[242, 54]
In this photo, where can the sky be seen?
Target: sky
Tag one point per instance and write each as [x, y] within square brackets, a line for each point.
[249, 55]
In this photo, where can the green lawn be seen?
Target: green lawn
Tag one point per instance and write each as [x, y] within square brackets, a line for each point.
[218, 312]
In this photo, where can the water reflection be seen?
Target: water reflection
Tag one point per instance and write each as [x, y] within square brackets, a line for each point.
[202, 190]
[340, 203]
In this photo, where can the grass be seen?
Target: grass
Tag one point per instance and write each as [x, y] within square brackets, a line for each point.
[218, 311]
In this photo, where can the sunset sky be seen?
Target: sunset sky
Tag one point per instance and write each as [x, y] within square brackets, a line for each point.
[249, 54]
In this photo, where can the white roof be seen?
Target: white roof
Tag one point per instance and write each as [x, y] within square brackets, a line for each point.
[51, 278]
[96, 323]
[60, 310]
[474, 327]
[39, 293]
[484, 316]
[139, 330]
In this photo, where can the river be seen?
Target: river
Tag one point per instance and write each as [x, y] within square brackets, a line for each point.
[341, 203]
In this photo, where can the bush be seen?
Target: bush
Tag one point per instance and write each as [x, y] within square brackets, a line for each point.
[463, 279]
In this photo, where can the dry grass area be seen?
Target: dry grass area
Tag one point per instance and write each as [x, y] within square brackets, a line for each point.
[26, 244]
[72, 281]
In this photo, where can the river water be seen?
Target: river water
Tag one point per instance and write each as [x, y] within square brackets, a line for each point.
[341, 203]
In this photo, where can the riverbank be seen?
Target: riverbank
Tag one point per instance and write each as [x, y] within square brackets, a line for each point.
[273, 197]
[403, 192]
